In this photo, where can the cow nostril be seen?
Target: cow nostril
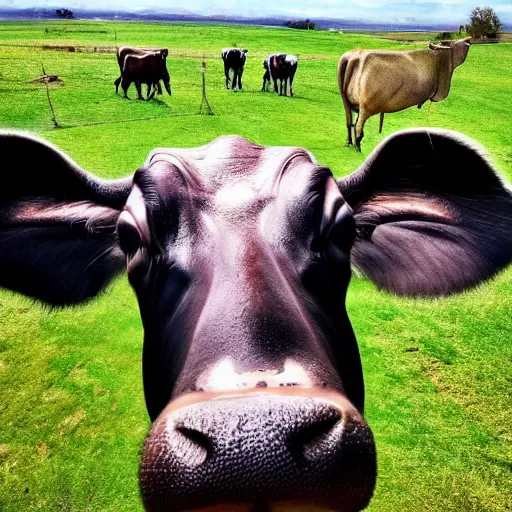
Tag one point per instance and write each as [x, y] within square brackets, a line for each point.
[315, 440]
[259, 448]
[191, 446]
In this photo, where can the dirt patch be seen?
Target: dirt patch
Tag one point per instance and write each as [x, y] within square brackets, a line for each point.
[433, 369]
[58, 48]
[43, 452]
[73, 31]
[72, 421]
[80, 49]
[4, 451]
[46, 79]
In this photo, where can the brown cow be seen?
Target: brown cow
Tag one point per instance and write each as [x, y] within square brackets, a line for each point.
[378, 81]
[149, 71]
[240, 257]
[123, 51]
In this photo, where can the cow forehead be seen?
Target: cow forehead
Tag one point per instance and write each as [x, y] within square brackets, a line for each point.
[231, 161]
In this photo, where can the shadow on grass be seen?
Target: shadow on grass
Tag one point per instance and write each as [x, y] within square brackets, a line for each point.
[270, 94]
[65, 126]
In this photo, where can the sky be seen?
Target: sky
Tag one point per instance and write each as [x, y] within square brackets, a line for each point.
[452, 12]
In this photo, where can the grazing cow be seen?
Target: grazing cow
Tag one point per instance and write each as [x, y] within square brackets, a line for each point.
[123, 51]
[148, 68]
[240, 257]
[377, 81]
[282, 67]
[234, 59]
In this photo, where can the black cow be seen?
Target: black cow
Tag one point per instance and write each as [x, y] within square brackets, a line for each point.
[148, 68]
[123, 51]
[240, 256]
[280, 67]
[234, 59]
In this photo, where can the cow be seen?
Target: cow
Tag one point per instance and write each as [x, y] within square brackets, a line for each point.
[148, 68]
[123, 51]
[240, 256]
[377, 81]
[234, 59]
[282, 67]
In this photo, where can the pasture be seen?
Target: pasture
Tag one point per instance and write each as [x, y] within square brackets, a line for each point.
[438, 373]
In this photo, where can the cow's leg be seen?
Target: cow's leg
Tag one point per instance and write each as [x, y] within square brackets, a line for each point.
[239, 78]
[117, 82]
[348, 119]
[158, 87]
[266, 77]
[381, 122]
[167, 82]
[291, 84]
[125, 84]
[139, 90]
[361, 119]
[151, 90]
[286, 86]
[226, 73]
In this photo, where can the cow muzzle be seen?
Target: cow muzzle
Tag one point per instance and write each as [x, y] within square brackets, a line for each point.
[286, 450]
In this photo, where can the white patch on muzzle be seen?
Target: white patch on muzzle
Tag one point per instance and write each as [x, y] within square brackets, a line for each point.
[223, 377]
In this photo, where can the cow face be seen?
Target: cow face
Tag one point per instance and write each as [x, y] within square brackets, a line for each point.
[459, 47]
[240, 259]
[460, 50]
[241, 268]
[252, 250]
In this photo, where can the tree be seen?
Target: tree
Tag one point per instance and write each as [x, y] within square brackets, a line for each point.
[64, 13]
[484, 22]
[302, 25]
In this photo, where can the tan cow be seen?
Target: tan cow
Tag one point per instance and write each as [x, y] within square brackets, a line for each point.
[378, 81]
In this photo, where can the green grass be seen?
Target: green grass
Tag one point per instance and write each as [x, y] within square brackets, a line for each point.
[438, 373]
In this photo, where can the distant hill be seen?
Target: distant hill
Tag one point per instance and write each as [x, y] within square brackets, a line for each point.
[321, 23]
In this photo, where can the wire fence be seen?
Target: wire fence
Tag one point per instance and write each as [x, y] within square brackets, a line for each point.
[204, 108]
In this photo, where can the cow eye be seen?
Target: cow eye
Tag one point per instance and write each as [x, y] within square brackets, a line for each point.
[339, 235]
[129, 237]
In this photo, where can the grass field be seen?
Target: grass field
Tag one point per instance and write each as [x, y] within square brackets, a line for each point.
[438, 373]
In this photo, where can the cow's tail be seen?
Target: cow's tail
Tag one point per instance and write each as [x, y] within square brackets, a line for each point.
[344, 77]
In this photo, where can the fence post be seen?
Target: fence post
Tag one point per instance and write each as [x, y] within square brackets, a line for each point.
[54, 119]
[204, 100]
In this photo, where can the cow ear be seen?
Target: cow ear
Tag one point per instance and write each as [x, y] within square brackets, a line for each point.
[58, 240]
[432, 216]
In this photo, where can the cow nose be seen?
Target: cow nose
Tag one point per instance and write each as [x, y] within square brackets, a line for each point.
[259, 450]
